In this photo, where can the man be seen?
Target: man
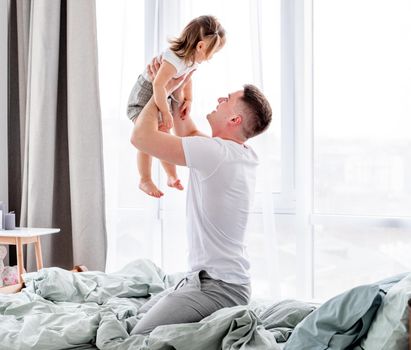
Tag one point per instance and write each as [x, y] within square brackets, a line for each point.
[220, 189]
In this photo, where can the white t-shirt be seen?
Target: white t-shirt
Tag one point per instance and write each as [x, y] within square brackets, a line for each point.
[220, 191]
[177, 62]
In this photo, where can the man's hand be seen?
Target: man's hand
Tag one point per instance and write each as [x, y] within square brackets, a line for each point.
[173, 84]
[185, 109]
[153, 67]
[167, 122]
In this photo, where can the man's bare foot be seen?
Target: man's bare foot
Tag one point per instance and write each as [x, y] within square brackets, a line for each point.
[174, 182]
[148, 187]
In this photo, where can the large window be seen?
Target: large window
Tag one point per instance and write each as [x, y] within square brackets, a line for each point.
[139, 226]
[362, 57]
[362, 143]
[338, 76]
[132, 231]
[251, 55]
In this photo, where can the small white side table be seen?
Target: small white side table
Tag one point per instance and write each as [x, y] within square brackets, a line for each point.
[23, 235]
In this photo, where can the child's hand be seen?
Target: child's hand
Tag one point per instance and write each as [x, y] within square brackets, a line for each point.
[185, 109]
[167, 120]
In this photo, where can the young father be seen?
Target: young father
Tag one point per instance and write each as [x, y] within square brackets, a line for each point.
[221, 186]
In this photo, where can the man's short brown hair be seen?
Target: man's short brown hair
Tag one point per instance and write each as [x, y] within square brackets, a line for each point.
[257, 110]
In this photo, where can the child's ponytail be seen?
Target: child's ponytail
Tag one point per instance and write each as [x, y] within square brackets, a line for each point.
[198, 29]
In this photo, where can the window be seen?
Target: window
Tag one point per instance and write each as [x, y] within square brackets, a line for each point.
[362, 144]
[244, 59]
[131, 218]
[339, 91]
[143, 227]
[362, 110]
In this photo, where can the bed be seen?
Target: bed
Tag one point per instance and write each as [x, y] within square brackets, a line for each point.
[59, 309]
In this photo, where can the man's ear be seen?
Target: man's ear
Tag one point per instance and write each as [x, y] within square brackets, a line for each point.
[236, 120]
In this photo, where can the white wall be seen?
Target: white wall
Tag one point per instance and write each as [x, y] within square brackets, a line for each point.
[4, 9]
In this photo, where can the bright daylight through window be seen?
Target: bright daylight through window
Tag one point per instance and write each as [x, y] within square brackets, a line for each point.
[142, 227]
[361, 140]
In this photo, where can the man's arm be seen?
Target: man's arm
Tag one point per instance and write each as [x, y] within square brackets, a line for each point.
[147, 138]
[185, 127]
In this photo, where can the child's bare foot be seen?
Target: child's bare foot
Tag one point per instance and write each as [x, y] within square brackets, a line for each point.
[148, 187]
[172, 181]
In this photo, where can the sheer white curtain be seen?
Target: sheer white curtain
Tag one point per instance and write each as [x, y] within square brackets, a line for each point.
[133, 226]
[143, 227]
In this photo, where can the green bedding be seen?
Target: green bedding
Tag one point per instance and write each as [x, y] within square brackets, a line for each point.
[62, 310]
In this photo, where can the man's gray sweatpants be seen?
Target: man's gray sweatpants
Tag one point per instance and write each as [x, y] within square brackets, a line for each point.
[195, 297]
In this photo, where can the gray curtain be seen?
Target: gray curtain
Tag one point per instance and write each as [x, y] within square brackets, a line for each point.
[55, 133]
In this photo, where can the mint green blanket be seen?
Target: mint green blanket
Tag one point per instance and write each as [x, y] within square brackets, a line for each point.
[62, 310]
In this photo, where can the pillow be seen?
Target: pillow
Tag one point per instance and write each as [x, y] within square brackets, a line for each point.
[389, 328]
[338, 323]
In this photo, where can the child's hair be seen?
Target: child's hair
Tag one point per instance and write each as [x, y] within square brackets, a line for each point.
[198, 29]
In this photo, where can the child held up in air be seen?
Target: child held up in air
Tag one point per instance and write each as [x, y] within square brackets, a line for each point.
[198, 42]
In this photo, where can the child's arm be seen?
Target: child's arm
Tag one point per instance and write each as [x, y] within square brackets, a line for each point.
[185, 109]
[181, 128]
[148, 138]
[165, 73]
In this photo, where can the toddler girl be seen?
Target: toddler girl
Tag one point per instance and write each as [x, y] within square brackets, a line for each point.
[200, 39]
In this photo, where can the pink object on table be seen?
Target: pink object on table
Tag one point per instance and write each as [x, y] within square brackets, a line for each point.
[10, 275]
